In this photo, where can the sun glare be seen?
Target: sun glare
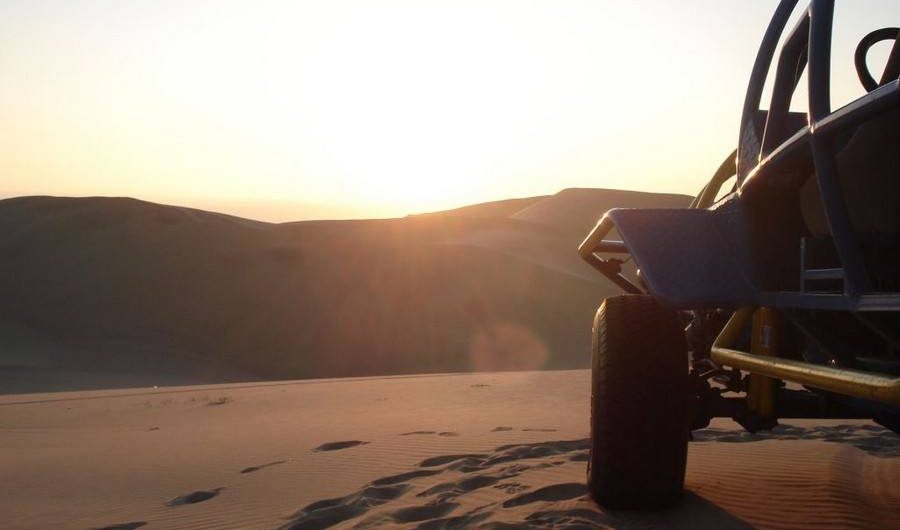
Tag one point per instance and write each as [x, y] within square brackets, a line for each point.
[376, 108]
[424, 114]
[386, 109]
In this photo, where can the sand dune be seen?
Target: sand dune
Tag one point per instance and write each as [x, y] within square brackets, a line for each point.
[574, 211]
[119, 292]
[490, 451]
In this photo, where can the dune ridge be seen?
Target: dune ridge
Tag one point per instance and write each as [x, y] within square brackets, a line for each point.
[150, 294]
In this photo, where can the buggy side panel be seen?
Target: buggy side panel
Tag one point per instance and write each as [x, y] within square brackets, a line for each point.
[691, 258]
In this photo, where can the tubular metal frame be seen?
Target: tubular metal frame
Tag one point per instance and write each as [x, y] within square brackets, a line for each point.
[857, 383]
[817, 138]
[758, 157]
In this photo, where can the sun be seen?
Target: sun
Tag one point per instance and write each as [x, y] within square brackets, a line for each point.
[415, 116]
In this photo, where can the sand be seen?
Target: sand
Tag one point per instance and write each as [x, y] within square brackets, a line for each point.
[491, 450]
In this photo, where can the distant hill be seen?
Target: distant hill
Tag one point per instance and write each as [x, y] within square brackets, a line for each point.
[493, 209]
[574, 211]
[122, 286]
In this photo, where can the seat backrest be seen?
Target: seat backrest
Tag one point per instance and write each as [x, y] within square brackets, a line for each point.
[869, 176]
[868, 172]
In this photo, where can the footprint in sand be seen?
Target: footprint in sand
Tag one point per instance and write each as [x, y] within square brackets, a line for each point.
[507, 453]
[451, 490]
[467, 520]
[446, 459]
[501, 429]
[251, 469]
[123, 526]
[403, 477]
[577, 518]
[423, 513]
[875, 440]
[329, 512]
[461, 476]
[335, 446]
[194, 497]
[511, 487]
[556, 492]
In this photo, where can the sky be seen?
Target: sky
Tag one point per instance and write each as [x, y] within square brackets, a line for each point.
[288, 110]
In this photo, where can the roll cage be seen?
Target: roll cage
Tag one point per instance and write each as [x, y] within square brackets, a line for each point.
[776, 149]
[755, 252]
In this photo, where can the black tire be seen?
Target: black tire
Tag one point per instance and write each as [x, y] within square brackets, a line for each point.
[639, 405]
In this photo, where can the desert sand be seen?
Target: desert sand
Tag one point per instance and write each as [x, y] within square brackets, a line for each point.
[482, 450]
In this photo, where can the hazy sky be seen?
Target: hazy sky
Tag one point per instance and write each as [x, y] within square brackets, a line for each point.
[288, 110]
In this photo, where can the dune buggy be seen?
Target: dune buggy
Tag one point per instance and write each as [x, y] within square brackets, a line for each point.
[780, 299]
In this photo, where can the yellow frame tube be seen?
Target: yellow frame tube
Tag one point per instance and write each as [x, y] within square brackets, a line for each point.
[708, 194]
[867, 385]
[763, 342]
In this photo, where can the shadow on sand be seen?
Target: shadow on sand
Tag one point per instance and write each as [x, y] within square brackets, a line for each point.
[435, 496]
[875, 440]
[439, 495]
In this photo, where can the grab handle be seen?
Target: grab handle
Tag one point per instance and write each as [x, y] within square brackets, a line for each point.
[594, 241]
[612, 269]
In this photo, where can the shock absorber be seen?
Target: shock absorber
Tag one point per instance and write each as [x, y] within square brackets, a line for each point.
[764, 342]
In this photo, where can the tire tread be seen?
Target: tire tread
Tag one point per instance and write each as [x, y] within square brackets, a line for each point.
[639, 400]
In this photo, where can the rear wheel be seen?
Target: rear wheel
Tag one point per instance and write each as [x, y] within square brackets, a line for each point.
[639, 405]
